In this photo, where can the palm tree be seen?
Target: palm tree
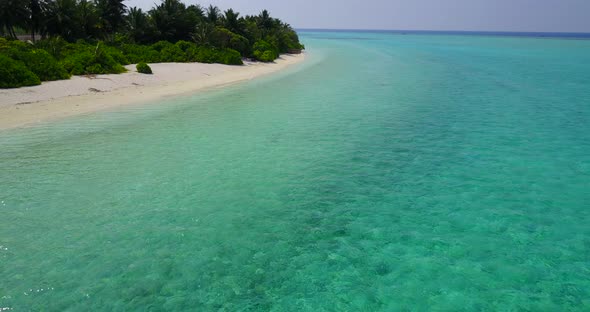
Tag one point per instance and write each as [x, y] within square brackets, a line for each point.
[231, 21]
[213, 14]
[61, 15]
[265, 21]
[174, 20]
[112, 13]
[35, 9]
[138, 23]
[202, 32]
[196, 10]
[13, 13]
[87, 18]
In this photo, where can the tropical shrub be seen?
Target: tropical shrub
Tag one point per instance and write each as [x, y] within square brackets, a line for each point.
[39, 61]
[160, 45]
[117, 55]
[143, 68]
[229, 57]
[140, 53]
[87, 60]
[289, 41]
[201, 54]
[267, 56]
[76, 63]
[184, 45]
[240, 44]
[52, 45]
[169, 52]
[42, 64]
[13, 46]
[264, 51]
[223, 38]
[172, 53]
[204, 54]
[107, 64]
[3, 44]
[15, 74]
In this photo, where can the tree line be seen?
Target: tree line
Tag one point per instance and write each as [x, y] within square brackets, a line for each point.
[73, 37]
[170, 20]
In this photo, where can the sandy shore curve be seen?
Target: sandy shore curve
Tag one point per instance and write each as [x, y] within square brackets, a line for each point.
[81, 95]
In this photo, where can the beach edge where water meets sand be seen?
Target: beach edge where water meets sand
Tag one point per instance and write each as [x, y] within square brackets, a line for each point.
[79, 95]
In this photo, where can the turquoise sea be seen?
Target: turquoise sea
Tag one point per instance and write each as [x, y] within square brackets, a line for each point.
[389, 172]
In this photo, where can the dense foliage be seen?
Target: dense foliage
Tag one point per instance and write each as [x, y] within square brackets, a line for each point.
[143, 68]
[15, 74]
[170, 20]
[38, 61]
[100, 36]
[264, 51]
[86, 59]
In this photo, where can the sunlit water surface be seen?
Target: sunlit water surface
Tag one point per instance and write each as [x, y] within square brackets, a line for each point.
[389, 172]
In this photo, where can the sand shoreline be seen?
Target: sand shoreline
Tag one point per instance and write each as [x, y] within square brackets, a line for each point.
[82, 95]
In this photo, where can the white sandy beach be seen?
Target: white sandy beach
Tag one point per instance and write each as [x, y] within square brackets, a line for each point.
[82, 95]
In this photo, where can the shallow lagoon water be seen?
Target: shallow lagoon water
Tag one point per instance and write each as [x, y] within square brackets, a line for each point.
[390, 172]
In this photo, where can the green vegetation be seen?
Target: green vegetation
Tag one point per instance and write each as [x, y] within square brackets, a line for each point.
[38, 61]
[81, 37]
[143, 68]
[265, 52]
[84, 59]
[15, 74]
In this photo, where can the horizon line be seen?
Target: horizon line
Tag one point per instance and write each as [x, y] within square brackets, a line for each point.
[462, 31]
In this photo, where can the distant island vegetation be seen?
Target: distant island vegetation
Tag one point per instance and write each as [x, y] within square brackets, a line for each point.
[44, 40]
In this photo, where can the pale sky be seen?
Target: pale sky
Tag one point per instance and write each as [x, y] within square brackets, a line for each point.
[476, 15]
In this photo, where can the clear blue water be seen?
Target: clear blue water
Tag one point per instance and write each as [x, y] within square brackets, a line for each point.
[557, 35]
[388, 173]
